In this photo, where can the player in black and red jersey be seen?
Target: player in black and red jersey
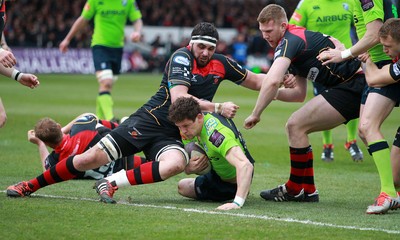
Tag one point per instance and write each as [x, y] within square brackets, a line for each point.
[195, 70]
[76, 137]
[297, 49]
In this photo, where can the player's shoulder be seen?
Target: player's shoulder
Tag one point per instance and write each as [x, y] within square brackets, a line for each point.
[182, 56]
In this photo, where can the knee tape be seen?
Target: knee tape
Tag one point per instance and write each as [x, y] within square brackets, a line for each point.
[110, 147]
[173, 147]
[104, 74]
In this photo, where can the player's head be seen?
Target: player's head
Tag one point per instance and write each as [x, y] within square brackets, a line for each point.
[186, 113]
[272, 22]
[49, 131]
[203, 42]
[390, 38]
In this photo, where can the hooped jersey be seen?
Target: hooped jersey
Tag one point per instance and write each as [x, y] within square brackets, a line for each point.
[366, 11]
[218, 135]
[2, 15]
[302, 47]
[202, 83]
[83, 135]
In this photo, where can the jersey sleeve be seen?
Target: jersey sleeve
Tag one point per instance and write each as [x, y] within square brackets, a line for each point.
[89, 10]
[395, 71]
[179, 69]
[134, 13]
[372, 10]
[234, 72]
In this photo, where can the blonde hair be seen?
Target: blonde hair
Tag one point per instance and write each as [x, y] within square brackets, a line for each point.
[272, 12]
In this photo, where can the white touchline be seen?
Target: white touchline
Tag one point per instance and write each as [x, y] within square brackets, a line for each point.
[262, 217]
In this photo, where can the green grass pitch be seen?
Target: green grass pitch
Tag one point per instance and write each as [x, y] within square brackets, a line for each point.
[70, 210]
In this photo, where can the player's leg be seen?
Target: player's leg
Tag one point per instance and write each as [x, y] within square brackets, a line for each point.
[107, 63]
[327, 141]
[377, 108]
[351, 143]
[186, 188]
[395, 160]
[72, 167]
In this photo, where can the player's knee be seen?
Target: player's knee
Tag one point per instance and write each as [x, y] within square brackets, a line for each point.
[110, 148]
[186, 187]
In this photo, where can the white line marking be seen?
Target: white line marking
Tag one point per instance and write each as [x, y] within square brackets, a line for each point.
[262, 217]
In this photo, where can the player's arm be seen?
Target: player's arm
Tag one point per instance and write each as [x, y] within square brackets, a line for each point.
[253, 81]
[137, 30]
[78, 26]
[296, 94]
[25, 79]
[369, 40]
[226, 109]
[67, 128]
[3, 115]
[43, 151]
[378, 77]
[244, 172]
[269, 89]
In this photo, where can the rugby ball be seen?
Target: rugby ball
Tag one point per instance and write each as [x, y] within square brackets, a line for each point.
[194, 150]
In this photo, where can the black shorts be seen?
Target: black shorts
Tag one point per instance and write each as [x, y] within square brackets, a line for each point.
[140, 132]
[346, 97]
[318, 88]
[396, 141]
[211, 187]
[107, 58]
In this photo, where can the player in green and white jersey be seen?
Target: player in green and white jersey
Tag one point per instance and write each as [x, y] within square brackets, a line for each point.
[333, 18]
[110, 18]
[232, 165]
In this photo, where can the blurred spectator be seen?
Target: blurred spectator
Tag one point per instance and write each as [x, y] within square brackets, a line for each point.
[239, 49]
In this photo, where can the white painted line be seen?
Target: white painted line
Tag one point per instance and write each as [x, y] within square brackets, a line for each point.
[262, 217]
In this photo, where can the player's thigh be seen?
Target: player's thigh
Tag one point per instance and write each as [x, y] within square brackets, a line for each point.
[316, 115]
[376, 109]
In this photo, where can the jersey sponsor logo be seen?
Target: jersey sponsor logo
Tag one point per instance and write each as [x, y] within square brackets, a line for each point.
[210, 125]
[312, 74]
[346, 6]
[107, 13]
[396, 68]
[367, 4]
[181, 60]
[216, 138]
[333, 18]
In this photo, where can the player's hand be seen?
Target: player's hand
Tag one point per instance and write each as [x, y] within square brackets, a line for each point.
[135, 36]
[197, 164]
[229, 109]
[64, 46]
[7, 58]
[363, 57]
[289, 81]
[228, 206]
[330, 56]
[29, 80]
[251, 121]
[32, 137]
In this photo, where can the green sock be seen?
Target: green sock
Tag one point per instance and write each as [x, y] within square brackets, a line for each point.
[351, 127]
[381, 154]
[105, 106]
[327, 137]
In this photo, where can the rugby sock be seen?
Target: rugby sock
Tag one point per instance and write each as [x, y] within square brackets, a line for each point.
[298, 164]
[327, 137]
[99, 111]
[138, 160]
[108, 124]
[308, 180]
[144, 174]
[351, 128]
[62, 171]
[381, 154]
[105, 105]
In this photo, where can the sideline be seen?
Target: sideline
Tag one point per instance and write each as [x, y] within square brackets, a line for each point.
[262, 217]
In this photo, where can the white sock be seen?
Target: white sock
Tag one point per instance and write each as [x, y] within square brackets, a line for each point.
[120, 179]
